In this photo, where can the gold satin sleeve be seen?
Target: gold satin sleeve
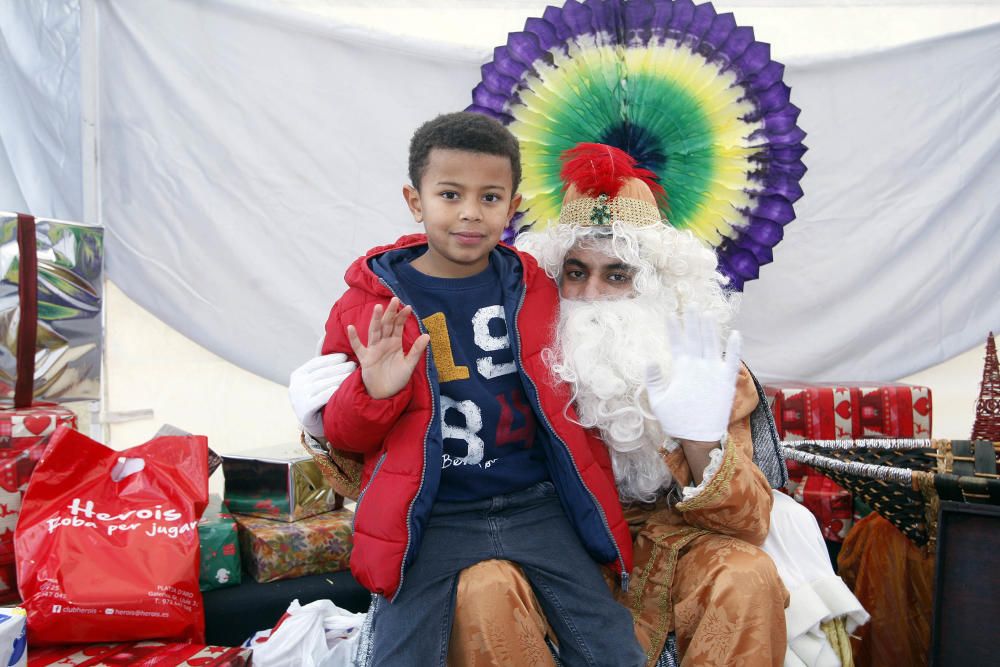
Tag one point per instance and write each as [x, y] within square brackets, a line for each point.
[737, 500]
[698, 570]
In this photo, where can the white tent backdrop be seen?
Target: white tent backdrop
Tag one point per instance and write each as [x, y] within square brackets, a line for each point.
[240, 154]
[246, 158]
[40, 121]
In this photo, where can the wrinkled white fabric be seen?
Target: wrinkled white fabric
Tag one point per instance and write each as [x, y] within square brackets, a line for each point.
[41, 170]
[817, 594]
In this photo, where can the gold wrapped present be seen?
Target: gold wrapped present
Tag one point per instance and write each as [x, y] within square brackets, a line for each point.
[273, 550]
[281, 482]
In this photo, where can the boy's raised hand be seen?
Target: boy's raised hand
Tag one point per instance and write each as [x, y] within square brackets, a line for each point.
[385, 369]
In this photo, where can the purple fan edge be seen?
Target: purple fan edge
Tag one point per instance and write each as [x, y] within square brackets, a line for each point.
[718, 38]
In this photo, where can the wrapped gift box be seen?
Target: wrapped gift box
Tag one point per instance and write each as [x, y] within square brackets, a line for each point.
[140, 653]
[50, 316]
[66, 261]
[838, 412]
[850, 410]
[828, 502]
[220, 547]
[281, 483]
[24, 433]
[275, 550]
[13, 638]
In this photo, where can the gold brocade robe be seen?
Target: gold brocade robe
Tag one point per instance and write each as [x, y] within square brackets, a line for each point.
[699, 571]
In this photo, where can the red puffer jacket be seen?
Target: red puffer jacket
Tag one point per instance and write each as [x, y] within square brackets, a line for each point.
[400, 437]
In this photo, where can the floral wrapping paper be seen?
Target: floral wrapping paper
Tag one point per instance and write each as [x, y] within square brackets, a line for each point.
[24, 433]
[838, 412]
[275, 550]
[220, 547]
[281, 482]
[148, 654]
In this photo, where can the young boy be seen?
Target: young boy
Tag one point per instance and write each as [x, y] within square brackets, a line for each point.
[467, 452]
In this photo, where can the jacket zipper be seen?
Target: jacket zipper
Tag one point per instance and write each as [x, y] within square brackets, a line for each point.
[600, 510]
[423, 469]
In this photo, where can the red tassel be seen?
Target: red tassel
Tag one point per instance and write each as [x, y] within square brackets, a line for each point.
[597, 169]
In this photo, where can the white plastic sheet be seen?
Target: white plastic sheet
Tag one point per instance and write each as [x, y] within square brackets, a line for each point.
[318, 634]
[40, 161]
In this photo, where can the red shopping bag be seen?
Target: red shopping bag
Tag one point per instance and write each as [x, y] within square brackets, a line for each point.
[107, 541]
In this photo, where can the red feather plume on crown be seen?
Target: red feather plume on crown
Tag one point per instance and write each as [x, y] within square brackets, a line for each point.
[597, 169]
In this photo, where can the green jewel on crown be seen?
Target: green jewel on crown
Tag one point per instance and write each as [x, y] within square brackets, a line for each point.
[601, 215]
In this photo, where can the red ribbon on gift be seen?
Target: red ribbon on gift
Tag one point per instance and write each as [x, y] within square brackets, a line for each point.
[27, 325]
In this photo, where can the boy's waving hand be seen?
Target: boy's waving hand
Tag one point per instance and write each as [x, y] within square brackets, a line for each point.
[385, 369]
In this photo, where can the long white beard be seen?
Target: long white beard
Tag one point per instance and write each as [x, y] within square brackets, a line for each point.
[602, 349]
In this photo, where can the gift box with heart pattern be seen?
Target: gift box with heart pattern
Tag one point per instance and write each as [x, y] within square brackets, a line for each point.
[24, 434]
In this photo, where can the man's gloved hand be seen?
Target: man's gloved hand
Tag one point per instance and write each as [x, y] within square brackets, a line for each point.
[695, 404]
[312, 384]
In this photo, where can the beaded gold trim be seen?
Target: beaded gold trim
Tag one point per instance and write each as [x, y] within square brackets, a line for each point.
[602, 210]
[718, 484]
[664, 606]
[343, 473]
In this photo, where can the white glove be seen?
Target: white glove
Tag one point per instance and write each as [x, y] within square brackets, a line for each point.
[697, 401]
[312, 384]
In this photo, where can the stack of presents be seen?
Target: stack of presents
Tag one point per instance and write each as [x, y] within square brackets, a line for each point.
[278, 520]
[291, 523]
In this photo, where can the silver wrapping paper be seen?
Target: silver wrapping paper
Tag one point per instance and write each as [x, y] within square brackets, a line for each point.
[70, 293]
[280, 482]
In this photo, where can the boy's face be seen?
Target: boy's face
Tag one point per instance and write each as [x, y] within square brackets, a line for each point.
[464, 202]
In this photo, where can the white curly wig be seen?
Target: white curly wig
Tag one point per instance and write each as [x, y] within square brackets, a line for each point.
[602, 347]
[670, 264]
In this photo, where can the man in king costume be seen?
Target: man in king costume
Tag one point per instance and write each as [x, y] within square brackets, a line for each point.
[643, 320]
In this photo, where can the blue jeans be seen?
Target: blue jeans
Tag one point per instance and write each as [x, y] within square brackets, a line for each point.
[530, 528]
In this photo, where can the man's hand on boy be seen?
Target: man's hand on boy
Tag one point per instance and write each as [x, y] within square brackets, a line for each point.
[385, 369]
[312, 384]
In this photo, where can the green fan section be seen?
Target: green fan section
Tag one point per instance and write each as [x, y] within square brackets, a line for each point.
[589, 98]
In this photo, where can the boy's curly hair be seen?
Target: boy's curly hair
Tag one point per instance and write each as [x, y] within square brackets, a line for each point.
[464, 131]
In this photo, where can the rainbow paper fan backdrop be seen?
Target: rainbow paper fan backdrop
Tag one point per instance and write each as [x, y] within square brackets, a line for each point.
[684, 90]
